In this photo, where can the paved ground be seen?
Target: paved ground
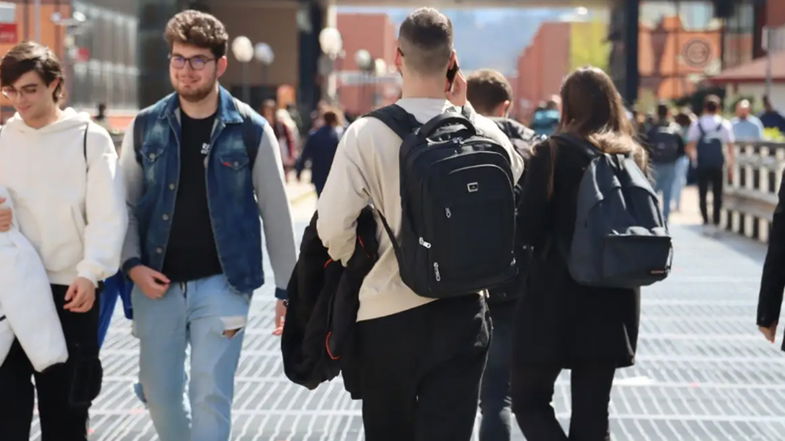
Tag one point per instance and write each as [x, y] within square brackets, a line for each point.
[703, 371]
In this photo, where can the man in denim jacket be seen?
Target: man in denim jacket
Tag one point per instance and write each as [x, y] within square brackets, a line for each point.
[203, 168]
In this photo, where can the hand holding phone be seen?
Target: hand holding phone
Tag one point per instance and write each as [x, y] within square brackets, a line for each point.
[456, 88]
[452, 71]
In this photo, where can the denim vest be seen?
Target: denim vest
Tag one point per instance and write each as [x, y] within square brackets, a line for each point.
[230, 193]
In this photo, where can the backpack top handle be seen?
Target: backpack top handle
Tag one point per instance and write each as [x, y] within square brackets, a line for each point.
[447, 119]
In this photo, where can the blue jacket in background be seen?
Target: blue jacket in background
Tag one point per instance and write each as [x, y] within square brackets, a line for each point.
[545, 122]
[320, 150]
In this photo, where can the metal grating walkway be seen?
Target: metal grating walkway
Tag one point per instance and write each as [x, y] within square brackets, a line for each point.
[703, 371]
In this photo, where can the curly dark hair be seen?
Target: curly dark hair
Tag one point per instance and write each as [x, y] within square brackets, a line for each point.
[199, 29]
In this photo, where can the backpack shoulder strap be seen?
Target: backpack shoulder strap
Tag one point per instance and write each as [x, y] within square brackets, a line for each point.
[587, 148]
[253, 130]
[84, 143]
[140, 129]
[390, 234]
[701, 129]
[402, 123]
[396, 118]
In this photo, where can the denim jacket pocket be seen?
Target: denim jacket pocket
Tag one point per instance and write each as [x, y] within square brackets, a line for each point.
[151, 152]
[235, 161]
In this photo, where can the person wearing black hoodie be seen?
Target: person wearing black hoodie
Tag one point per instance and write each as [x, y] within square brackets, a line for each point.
[491, 95]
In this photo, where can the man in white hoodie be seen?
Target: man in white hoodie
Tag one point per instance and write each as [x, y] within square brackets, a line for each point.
[421, 358]
[61, 172]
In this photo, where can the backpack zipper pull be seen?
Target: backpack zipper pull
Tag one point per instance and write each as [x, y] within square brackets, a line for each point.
[424, 243]
[448, 212]
[436, 272]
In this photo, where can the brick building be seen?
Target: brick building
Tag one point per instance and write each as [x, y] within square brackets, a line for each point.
[673, 60]
[360, 92]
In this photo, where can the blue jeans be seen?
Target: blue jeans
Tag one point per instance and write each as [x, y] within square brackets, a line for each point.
[495, 388]
[665, 175]
[204, 313]
[682, 167]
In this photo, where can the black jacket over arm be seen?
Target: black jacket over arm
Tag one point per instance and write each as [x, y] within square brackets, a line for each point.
[318, 339]
[773, 280]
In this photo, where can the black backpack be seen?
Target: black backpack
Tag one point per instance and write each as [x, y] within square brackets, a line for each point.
[620, 239]
[710, 155]
[664, 144]
[458, 207]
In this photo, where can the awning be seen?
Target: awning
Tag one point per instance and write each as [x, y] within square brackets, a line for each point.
[754, 71]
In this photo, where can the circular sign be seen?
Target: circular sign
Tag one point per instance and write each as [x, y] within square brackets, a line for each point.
[697, 53]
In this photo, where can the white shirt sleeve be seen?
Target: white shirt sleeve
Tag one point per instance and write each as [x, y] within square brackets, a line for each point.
[105, 209]
[693, 134]
[727, 132]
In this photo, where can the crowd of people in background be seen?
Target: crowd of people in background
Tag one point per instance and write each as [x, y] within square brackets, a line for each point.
[666, 132]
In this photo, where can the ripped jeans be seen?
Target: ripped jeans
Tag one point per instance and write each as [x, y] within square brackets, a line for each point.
[210, 316]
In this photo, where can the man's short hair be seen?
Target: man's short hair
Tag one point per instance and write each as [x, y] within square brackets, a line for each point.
[663, 110]
[553, 103]
[712, 103]
[425, 41]
[31, 56]
[487, 89]
[198, 29]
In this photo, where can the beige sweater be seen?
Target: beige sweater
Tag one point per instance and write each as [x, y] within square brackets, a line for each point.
[365, 170]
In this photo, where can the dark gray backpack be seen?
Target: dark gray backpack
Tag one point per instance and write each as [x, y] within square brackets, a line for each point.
[710, 154]
[620, 238]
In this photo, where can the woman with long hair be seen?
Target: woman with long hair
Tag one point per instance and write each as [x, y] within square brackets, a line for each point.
[561, 324]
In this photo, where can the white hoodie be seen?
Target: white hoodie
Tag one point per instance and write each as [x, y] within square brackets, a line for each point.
[72, 212]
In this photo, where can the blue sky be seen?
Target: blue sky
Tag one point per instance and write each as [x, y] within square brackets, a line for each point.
[507, 30]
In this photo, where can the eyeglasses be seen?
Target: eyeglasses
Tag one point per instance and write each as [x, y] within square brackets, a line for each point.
[12, 94]
[197, 62]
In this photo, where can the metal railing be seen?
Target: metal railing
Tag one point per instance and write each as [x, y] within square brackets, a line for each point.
[751, 194]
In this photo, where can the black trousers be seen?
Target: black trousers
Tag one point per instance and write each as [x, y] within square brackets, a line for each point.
[710, 177]
[61, 418]
[532, 391]
[495, 389]
[422, 369]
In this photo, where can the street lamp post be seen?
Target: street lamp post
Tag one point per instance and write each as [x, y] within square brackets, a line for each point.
[73, 27]
[364, 62]
[264, 54]
[331, 43]
[769, 40]
[243, 51]
[379, 69]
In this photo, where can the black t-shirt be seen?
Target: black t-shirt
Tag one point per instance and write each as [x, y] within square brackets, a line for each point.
[191, 253]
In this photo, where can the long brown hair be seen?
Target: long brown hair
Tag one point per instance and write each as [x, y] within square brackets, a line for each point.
[592, 109]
